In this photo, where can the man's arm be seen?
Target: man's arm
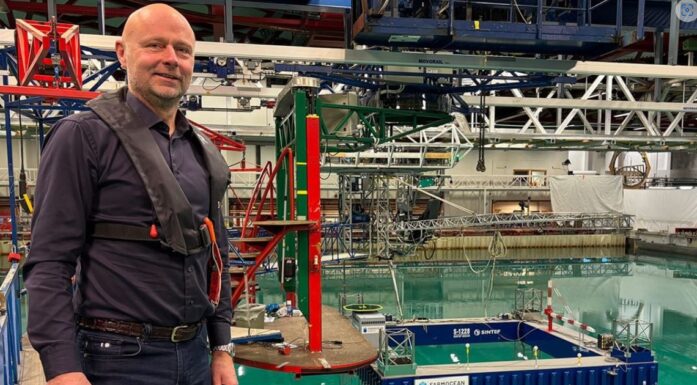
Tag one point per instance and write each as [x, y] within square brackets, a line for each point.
[64, 190]
[222, 367]
[219, 323]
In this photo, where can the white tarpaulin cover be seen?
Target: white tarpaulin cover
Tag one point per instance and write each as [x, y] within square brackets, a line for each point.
[661, 210]
[586, 193]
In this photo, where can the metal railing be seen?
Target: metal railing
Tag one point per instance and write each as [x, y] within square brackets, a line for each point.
[457, 182]
[669, 182]
[494, 182]
[581, 267]
[633, 335]
[10, 326]
[342, 240]
[576, 221]
[396, 350]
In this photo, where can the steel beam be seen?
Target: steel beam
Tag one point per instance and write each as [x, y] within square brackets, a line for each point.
[619, 105]
[604, 221]
[305, 6]
[648, 125]
[49, 93]
[435, 60]
[581, 142]
[223, 91]
[281, 23]
[532, 116]
[681, 114]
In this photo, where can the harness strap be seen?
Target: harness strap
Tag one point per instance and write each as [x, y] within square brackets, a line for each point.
[123, 232]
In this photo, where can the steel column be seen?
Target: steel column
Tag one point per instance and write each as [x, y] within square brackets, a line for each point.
[286, 248]
[301, 205]
[51, 5]
[618, 18]
[674, 36]
[640, 20]
[229, 36]
[10, 165]
[101, 17]
[540, 6]
[608, 112]
[41, 134]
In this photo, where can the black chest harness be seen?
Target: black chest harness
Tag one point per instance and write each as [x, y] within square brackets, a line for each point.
[179, 230]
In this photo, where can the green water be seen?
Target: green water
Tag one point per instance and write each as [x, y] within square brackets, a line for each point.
[485, 352]
[596, 290]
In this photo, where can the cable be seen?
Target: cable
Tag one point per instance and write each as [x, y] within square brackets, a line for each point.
[203, 85]
[469, 263]
[522, 16]
[24, 199]
[481, 166]
[433, 251]
[497, 248]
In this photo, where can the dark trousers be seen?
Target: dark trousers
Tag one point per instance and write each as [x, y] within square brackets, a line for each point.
[113, 359]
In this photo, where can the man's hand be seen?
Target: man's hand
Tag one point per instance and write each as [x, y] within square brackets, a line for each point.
[222, 369]
[72, 378]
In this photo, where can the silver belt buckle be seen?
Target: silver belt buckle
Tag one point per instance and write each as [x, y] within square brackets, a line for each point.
[173, 337]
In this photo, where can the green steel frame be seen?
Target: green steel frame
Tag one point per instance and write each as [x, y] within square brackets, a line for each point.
[376, 123]
[306, 135]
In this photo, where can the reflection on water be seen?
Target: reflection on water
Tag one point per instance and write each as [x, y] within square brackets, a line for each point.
[595, 286]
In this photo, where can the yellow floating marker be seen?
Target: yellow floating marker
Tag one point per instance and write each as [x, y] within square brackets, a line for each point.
[467, 353]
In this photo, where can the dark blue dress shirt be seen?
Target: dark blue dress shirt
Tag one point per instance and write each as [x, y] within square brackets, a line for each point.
[85, 176]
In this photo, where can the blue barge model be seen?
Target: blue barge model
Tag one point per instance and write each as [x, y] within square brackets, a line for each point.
[576, 359]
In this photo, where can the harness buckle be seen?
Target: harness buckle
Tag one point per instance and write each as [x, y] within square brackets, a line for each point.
[205, 235]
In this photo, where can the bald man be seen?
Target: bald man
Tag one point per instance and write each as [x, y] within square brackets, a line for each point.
[128, 199]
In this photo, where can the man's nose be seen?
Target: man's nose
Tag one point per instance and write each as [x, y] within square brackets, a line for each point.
[169, 55]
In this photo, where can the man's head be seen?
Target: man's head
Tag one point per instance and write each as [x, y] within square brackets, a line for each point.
[157, 51]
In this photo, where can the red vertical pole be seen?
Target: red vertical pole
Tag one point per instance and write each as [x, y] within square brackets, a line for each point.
[548, 310]
[315, 236]
[290, 296]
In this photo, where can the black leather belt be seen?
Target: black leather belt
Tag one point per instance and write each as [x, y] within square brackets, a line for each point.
[174, 334]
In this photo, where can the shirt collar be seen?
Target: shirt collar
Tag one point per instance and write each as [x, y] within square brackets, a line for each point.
[151, 120]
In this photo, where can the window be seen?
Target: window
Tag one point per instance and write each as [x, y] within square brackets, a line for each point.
[534, 178]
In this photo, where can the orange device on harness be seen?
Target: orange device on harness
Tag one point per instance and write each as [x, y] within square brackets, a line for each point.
[216, 265]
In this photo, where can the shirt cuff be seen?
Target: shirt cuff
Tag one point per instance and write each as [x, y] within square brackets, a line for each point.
[59, 359]
[218, 333]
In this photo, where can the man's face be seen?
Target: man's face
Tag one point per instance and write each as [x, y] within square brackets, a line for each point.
[158, 54]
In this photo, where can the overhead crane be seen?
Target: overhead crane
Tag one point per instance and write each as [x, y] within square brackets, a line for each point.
[626, 114]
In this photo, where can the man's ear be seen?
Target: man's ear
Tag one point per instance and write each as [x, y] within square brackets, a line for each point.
[121, 53]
